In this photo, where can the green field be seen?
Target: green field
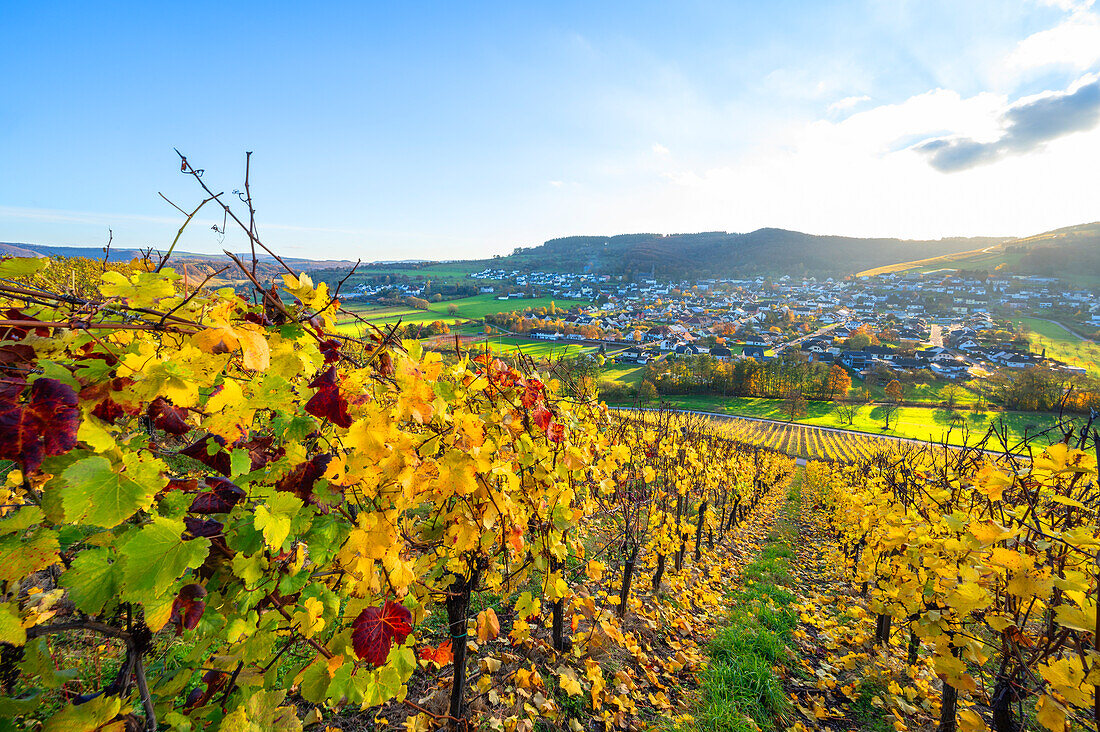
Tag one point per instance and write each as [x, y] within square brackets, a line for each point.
[1061, 344]
[624, 374]
[931, 392]
[442, 272]
[534, 349]
[921, 423]
[467, 308]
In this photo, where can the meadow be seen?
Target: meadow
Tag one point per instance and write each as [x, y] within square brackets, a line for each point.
[538, 350]
[475, 307]
[1059, 343]
[920, 423]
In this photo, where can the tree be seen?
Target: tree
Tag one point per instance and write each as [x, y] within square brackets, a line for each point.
[647, 391]
[846, 411]
[794, 404]
[838, 382]
[452, 309]
[893, 396]
[894, 391]
[951, 395]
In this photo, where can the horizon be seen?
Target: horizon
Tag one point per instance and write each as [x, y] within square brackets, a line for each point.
[433, 134]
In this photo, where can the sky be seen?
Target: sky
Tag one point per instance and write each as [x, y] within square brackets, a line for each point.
[390, 131]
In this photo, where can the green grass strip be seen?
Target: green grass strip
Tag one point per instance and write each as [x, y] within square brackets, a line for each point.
[739, 680]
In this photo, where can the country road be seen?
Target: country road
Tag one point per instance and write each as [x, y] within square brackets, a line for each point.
[815, 334]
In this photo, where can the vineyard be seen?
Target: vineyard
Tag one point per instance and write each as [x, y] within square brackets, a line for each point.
[979, 578]
[220, 513]
[804, 441]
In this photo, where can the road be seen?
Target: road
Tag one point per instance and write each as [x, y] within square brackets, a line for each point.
[815, 334]
[936, 335]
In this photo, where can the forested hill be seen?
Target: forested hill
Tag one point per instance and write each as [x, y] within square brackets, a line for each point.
[1073, 250]
[721, 254]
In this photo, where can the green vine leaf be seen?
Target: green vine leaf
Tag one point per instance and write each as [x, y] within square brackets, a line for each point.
[99, 493]
[156, 557]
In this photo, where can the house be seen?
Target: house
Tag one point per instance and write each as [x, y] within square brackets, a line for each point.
[857, 360]
[545, 335]
[633, 355]
[1017, 361]
[756, 352]
[721, 352]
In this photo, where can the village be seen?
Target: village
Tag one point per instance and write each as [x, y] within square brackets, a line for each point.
[952, 325]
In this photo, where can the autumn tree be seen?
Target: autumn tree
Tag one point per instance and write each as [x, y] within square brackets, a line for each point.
[893, 397]
[894, 391]
[837, 382]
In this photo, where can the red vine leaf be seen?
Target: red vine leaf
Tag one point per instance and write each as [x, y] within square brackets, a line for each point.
[188, 607]
[328, 403]
[109, 411]
[300, 480]
[376, 629]
[18, 333]
[222, 497]
[45, 424]
[200, 450]
[172, 420]
[330, 349]
[541, 417]
[534, 391]
[556, 433]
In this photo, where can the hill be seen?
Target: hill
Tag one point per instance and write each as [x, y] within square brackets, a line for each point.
[1071, 253]
[721, 254]
[193, 264]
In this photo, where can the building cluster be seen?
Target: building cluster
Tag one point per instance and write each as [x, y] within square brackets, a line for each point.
[950, 325]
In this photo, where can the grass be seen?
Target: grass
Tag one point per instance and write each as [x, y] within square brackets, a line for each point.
[442, 272]
[970, 259]
[624, 374]
[475, 307]
[863, 709]
[1059, 343]
[919, 423]
[532, 348]
[740, 689]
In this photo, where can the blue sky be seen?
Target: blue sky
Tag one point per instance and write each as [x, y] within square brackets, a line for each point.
[392, 131]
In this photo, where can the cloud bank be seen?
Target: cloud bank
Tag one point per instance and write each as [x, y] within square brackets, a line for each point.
[1026, 126]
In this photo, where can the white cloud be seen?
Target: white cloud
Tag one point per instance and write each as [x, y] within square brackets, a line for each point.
[860, 176]
[846, 103]
[1075, 42]
[660, 149]
[1027, 125]
[557, 183]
